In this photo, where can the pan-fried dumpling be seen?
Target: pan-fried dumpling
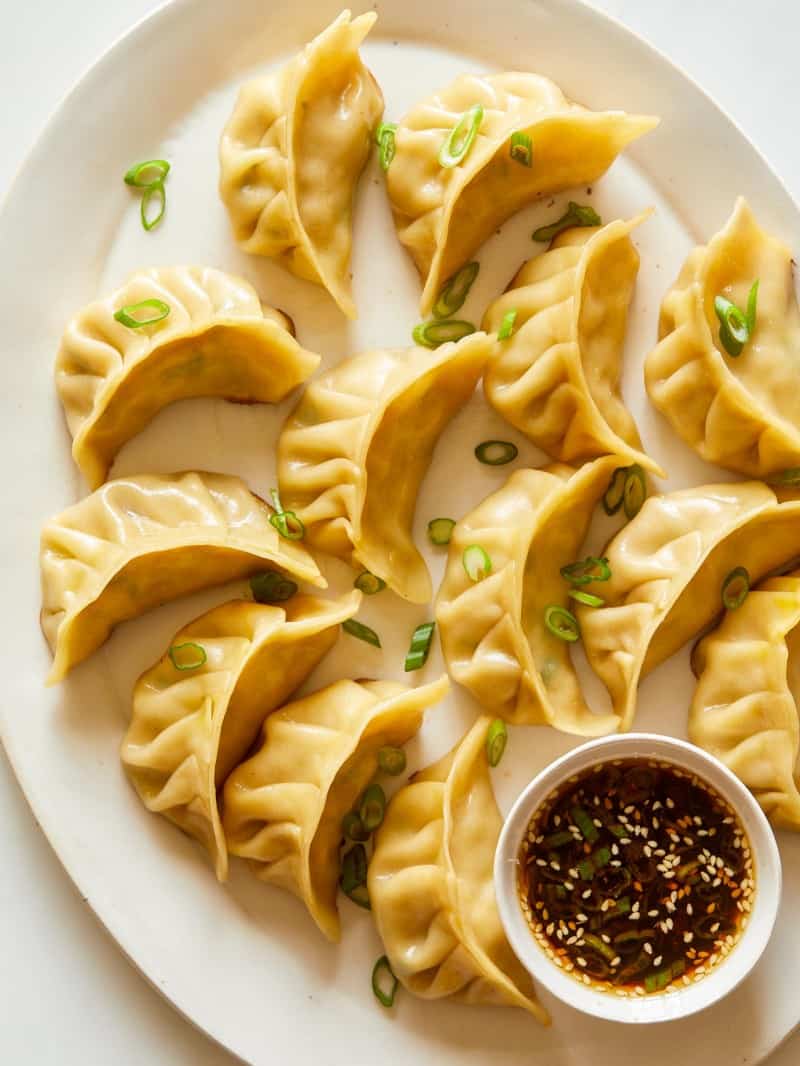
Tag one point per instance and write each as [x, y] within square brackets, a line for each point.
[138, 542]
[431, 885]
[216, 340]
[292, 153]
[444, 213]
[742, 412]
[493, 631]
[283, 808]
[744, 709]
[197, 711]
[364, 434]
[667, 569]
[556, 378]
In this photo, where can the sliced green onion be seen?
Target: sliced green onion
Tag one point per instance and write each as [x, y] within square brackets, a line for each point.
[520, 149]
[158, 194]
[496, 452]
[360, 896]
[272, 587]
[735, 588]
[384, 138]
[635, 491]
[420, 647]
[752, 306]
[736, 326]
[558, 840]
[127, 315]
[362, 632]
[372, 807]
[586, 571]
[601, 857]
[188, 656]
[588, 599]
[369, 583]
[575, 215]
[432, 334]
[354, 869]
[476, 562]
[791, 476]
[614, 494]
[440, 530]
[562, 623]
[507, 325]
[382, 973]
[392, 761]
[460, 139]
[596, 944]
[352, 827]
[455, 291]
[138, 174]
[584, 822]
[288, 525]
[496, 740]
[585, 869]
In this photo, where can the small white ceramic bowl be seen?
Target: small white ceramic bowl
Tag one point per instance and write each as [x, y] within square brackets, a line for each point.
[660, 1006]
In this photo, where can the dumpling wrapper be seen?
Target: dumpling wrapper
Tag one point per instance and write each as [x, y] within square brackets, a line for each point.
[217, 340]
[740, 412]
[493, 632]
[745, 707]
[283, 808]
[431, 885]
[190, 728]
[138, 542]
[293, 151]
[364, 434]
[443, 215]
[556, 378]
[667, 569]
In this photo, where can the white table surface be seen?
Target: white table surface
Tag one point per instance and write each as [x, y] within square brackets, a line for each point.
[68, 995]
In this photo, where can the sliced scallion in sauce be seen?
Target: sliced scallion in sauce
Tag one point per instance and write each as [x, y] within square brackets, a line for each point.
[588, 599]
[440, 530]
[736, 327]
[288, 525]
[476, 562]
[131, 315]
[392, 761]
[144, 175]
[635, 491]
[352, 827]
[575, 215]
[496, 740]
[369, 583]
[562, 623]
[586, 571]
[432, 334]
[460, 139]
[735, 588]
[372, 806]
[507, 325]
[384, 138]
[187, 656]
[361, 632]
[272, 587]
[384, 982]
[455, 291]
[496, 452]
[420, 646]
[521, 148]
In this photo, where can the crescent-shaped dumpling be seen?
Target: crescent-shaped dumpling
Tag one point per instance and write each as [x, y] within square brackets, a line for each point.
[741, 412]
[283, 808]
[361, 438]
[138, 542]
[216, 340]
[191, 726]
[431, 885]
[668, 566]
[745, 708]
[493, 631]
[293, 151]
[444, 214]
[556, 378]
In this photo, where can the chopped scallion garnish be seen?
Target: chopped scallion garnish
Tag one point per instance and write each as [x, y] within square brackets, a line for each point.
[362, 632]
[440, 530]
[432, 334]
[153, 194]
[736, 327]
[371, 808]
[496, 452]
[392, 760]
[455, 291]
[562, 623]
[588, 599]
[635, 491]
[369, 583]
[520, 149]
[613, 496]
[496, 740]
[144, 175]
[384, 138]
[575, 215]
[129, 315]
[586, 571]
[384, 982]
[187, 656]
[584, 822]
[353, 880]
[272, 587]
[287, 523]
[477, 563]
[460, 139]
[507, 325]
[735, 588]
[352, 827]
[420, 647]
[791, 476]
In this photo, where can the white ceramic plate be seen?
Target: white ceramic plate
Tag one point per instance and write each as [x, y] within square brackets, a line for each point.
[243, 961]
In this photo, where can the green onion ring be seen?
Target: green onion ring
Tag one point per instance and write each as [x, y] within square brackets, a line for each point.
[361, 632]
[354, 869]
[196, 652]
[562, 623]
[369, 583]
[134, 176]
[288, 525]
[459, 140]
[507, 325]
[476, 562]
[635, 491]
[586, 571]
[420, 647]
[790, 476]
[272, 587]
[588, 599]
[575, 215]
[496, 452]
[372, 807]
[380, 972]
[496, 740]
[735, 588]
[752, 305]
[153, 192]
[432, 334]
[440, 530]
[384, 138]
[520, 149]
[455, 291]
[614, 494]
[391, 761]
[126, 314]
[352, 827]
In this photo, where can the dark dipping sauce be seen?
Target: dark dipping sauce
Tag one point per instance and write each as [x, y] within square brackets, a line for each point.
[636, 877]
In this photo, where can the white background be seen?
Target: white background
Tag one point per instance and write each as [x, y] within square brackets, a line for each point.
[67, 995]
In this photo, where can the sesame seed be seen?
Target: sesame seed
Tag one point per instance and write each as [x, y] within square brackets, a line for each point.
[688, 938]
[658, 960]
[653, 913]
[581, 961]
[648, 947]
[586, 894]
